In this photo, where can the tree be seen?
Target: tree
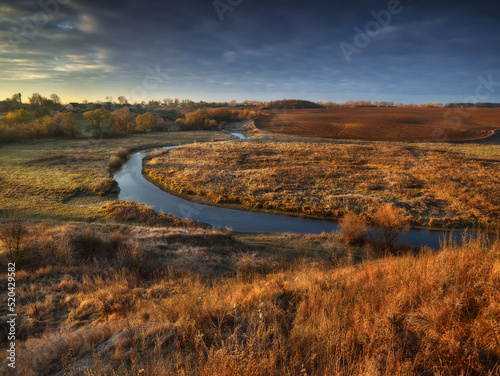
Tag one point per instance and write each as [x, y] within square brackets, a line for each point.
[68, 123]
[99, 122]
[35, 100]
[148, 121]
[40, 105]
[20, 116]
[16, 98]
[55, 98]
[123, 120]
[122, 100]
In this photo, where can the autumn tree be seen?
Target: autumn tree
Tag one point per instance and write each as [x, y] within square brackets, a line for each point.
[20, 116]
[148, 121]
[124, 120]
[99, 122]
[68, 123]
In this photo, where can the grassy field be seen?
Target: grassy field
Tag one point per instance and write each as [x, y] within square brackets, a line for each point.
[439, 185]
[384, 124]
[69, 179]
[176, 299]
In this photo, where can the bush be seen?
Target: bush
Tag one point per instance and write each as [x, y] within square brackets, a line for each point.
[122, 153]
[115, 163]
[354, 229]
[70, 245]
[13, 235]
[392, 221]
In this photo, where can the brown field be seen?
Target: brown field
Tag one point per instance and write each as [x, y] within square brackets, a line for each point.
[438, 185]
[385, 124]
[117, 299]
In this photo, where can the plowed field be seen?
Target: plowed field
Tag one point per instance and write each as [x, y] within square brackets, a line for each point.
[384, 124]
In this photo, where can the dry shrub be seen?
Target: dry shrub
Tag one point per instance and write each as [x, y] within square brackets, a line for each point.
[123, 154]
[115, 163]
[13, 235]
[128, 211]
[105, 186]
[392, 221]
[68, 244]
[354, 229]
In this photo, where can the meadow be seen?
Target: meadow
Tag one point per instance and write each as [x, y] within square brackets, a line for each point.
[438, 185]
[384, 124]
[70, 179]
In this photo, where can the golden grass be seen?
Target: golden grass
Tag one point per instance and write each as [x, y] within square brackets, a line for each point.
[431, 313]
[40, 177]
[442, 186]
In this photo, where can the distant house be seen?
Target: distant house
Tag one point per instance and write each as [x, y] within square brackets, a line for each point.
[72, 106]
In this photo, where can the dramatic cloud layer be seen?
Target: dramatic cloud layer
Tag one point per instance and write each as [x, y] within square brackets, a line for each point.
[414, 50]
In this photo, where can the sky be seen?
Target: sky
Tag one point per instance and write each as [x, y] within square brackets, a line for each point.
[408, 51]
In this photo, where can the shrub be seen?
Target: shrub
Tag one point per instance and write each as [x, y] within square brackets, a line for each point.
[354, 229]
[392, 221]
[123, 154]
[13, 235]
[115, 163]
[105, 186]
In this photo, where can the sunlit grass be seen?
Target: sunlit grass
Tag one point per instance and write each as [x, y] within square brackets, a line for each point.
[168, 301]
[39, 177]
[438, 185]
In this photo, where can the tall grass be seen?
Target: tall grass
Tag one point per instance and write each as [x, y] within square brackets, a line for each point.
[431, 313]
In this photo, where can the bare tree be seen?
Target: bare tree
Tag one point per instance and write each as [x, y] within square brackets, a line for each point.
[55, 98]
[122, 100]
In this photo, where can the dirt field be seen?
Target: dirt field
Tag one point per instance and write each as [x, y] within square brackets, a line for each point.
[385, 124]
[437, 184]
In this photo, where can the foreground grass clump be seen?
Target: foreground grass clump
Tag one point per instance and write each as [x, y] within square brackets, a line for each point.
[183, 302]
[435, 186]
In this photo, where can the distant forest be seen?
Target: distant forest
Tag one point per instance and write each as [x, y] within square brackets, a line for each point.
[291, 104]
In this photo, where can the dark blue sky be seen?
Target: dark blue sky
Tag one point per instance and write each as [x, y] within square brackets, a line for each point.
[427, 51]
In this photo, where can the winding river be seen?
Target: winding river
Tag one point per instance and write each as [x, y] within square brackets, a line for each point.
[134, 187]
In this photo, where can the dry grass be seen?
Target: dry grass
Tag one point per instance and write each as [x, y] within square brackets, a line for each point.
[384, 124]
[40, 178]
[437, 187]
[432, 313]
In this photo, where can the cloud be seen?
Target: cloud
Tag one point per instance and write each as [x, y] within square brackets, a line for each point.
[268, 47]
